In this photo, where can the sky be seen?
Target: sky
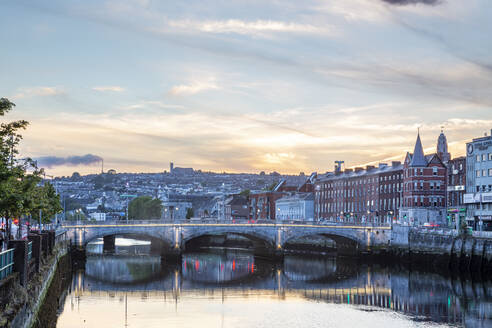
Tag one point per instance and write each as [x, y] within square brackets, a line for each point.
[243, 86]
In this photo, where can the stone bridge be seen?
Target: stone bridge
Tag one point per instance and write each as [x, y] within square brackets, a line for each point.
[270, 238]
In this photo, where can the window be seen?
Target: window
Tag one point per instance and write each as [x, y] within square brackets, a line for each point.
[484, 157]
[478, 173]
[490, 172]
[490, 156]
[484, 173]
[434, 171]
[478, 158]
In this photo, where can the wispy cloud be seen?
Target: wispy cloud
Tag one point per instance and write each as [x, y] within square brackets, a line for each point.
[38, 92]
[194, 87]
[111, 88]
[413, 2]
[152, 104]
[255, 28]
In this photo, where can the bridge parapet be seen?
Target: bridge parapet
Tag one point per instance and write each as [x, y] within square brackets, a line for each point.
[274, 235]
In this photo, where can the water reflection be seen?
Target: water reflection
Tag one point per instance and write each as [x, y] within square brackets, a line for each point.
[218, 268]
[226, 277]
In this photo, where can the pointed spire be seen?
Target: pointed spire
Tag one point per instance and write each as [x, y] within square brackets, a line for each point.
[418, 158]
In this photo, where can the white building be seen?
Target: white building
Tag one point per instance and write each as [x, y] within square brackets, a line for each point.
[298, 207]
[98, 216]
[478, 197]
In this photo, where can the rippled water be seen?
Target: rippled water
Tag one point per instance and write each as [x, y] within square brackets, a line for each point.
[233, 289]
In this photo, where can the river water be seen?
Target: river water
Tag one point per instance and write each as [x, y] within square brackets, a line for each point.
[224, 288]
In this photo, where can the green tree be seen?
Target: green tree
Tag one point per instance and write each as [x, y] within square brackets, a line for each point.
[144, 208]
[245, 192]
[20, 193]
[272, 186]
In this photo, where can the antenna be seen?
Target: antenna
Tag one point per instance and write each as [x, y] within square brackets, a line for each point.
[102, 165]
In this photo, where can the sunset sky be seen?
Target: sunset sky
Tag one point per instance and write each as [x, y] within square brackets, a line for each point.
[245, 86]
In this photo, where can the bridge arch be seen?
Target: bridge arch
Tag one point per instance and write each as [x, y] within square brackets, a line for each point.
[256, 236]
[346, 243]
[92, 234]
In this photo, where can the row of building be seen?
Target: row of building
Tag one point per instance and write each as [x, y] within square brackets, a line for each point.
[424, 189]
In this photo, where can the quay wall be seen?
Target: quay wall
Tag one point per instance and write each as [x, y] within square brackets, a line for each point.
[37, 262]
[438, 247]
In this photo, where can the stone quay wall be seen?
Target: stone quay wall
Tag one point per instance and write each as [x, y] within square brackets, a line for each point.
[439, 246]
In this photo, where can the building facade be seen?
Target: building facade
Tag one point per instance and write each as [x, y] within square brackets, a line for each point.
[297, 207]
[424, 188]
[175, 210]
[236, 208]
[478, 197]
[262, 204]
[456, 170]
[370, 194]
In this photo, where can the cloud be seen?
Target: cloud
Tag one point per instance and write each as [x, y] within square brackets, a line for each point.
[255, 28]
[38, 91]
[51, 161]
[153, 104]
[413, 2]
[193, 87]
[112, 88]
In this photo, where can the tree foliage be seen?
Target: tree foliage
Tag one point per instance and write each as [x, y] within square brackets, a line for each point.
[144, 208]
[245, 193]
[21, 189]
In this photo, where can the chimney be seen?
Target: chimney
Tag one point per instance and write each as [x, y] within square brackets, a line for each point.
[381, 165]
[395, 163]
[348, 171]
[370, 167]
[358, 169]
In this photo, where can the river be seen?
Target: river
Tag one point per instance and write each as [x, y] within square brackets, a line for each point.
[225, 288]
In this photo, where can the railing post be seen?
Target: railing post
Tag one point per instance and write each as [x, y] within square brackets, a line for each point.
[21, 264]
[36, 248]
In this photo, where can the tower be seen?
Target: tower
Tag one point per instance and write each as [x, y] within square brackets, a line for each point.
[171, 167]
[442, 148]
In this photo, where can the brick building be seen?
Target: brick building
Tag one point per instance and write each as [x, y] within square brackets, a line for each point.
[262, 204]
[424, 188]
[370, 194]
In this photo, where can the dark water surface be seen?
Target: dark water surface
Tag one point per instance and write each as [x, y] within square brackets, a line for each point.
[234, 289]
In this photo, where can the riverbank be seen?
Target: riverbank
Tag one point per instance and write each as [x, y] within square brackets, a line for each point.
[21, 306]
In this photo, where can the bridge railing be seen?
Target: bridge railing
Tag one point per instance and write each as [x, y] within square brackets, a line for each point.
[68, 224]
[482, 234]
[6, 263]
[60, 235]
[120, 222]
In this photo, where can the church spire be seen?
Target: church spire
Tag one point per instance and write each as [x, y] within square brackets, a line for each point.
[418, 158]
[442, 147]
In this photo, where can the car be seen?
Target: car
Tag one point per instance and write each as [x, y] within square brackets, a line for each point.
[431, 225]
